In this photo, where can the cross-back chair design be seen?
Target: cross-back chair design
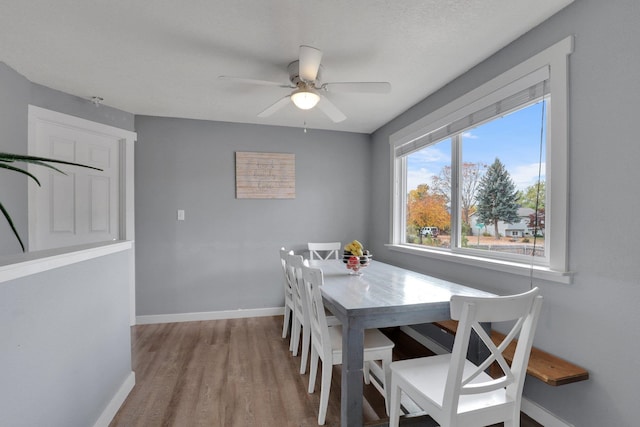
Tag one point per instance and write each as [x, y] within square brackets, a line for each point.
[301, 323]
[288, 292]
[326, 344]
[330, 250]
[454, 391]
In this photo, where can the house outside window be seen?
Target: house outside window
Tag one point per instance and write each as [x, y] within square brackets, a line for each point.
[478, 171]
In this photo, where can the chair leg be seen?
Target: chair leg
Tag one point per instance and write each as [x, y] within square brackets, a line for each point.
[366, 374]
[285, 323]
[386, 372]
[313, 370]
[514, 419]
[293, 330]
[306, 338]
[325, 388]
[394, 405]
[515, 422]
[295, 336]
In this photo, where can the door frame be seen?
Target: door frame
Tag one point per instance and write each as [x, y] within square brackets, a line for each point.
[126, 138]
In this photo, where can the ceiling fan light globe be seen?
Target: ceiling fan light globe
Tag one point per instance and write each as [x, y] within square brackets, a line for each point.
[305, 99]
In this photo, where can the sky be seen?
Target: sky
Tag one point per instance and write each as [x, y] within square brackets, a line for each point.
[514, 139]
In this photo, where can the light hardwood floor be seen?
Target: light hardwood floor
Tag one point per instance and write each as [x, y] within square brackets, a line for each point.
[233, 373]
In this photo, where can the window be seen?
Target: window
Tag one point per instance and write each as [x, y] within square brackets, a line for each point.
[478, 169]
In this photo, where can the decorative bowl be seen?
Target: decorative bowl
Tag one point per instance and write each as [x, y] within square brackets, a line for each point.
[356, 263]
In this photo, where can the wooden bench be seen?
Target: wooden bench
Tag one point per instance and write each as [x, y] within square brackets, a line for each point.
[546, 367]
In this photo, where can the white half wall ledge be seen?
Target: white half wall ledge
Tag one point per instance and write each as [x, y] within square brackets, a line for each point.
[209, 315]
[22, 265]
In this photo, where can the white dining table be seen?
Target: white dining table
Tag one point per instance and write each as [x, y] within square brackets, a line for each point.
[382, 296]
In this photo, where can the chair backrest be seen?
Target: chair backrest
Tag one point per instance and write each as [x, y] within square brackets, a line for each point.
[284, 255]
[330, 250]
[294, 270]
[312, 279]
[522, 311]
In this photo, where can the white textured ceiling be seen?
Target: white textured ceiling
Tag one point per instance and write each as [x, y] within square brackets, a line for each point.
[163, 57]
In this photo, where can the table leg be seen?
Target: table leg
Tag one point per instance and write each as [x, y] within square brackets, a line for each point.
[478, 351]
[352, 361]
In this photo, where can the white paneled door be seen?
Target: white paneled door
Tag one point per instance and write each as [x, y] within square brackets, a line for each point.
[82, 205]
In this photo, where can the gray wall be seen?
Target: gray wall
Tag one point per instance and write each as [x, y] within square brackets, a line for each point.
[224, 256]
[14, 98]
[66, 343]
[593, 321]
[17, 93]
[61, 102]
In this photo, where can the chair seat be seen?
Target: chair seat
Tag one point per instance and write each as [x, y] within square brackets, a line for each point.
[374, 343]
[331, 319]
[429, 376]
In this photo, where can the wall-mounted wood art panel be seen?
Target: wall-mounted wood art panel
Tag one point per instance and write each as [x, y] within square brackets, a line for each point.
[265, 175]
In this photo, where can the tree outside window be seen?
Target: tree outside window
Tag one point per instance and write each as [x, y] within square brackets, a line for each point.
[426, 208]
[497, 197]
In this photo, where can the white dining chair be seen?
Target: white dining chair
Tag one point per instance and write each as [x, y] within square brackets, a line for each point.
[324, 251]
[301, 316]
[458, 393]
[301, 322]
[326, 345]
[288, 293]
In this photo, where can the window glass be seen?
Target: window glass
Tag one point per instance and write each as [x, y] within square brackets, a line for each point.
[428, 219]
[502, 161]
[496, 195]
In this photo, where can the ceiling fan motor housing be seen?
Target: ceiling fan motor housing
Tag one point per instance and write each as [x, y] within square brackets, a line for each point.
[294, 76]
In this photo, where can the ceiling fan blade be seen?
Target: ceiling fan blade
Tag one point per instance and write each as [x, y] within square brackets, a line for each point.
[309, 63]
[253, 81]
[358, 87]
[331, 110]
[281, 103]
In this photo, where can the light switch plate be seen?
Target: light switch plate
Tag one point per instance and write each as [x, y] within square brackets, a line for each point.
[180, 215]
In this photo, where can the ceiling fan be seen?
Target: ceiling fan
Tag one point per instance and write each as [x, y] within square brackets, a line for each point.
[305, 76]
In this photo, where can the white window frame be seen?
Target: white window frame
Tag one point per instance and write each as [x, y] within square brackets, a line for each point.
[555, 59]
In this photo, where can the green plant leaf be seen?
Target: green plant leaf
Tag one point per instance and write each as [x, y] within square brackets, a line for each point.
[6, 158]
[13, 168]
[13, 227]
[46, 165]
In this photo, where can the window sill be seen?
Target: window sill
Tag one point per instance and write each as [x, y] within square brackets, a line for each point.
[521, 269]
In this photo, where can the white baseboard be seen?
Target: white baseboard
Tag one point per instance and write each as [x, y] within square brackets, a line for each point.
[116, 402]
[541, 415]
[532, 409]
[209, 315]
